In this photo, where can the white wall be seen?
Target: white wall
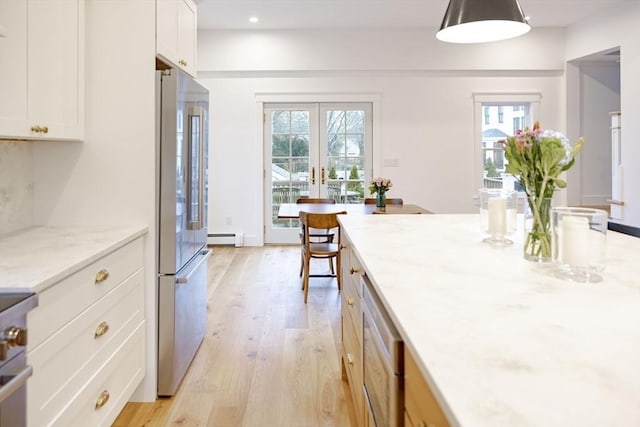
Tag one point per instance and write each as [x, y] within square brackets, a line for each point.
[617, 26]
[109, 179]
[425, 88]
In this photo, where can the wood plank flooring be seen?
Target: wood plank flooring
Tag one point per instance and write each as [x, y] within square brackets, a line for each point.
[267, 358]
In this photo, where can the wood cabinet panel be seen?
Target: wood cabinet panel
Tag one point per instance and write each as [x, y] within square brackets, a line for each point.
[421, 407]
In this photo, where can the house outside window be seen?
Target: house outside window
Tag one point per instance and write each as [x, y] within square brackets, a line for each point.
[506, 114]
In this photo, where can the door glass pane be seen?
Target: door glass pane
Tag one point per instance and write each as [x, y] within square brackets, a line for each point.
[345, 155]
[355, 122]
[290, 138]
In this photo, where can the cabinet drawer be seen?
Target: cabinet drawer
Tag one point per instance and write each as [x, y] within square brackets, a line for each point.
[352, 359]
[352, 271]
[118, 378]
[351, 305]
[421, 407]
[66, 299]
[63, 363]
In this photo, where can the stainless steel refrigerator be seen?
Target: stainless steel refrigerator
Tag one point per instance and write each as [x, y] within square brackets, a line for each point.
[182, 123]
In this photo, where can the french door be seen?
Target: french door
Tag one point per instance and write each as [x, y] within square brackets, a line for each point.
[314, 150]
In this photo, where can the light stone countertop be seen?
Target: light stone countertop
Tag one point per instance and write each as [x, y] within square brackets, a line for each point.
[501, 341]
[36, 258]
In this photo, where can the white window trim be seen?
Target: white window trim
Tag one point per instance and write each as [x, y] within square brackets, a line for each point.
[497, 98]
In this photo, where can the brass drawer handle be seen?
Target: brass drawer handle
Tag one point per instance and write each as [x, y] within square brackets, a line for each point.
[350, 301]
[349, 359]
[343, 246]
[353, 270]
[39, 129]
[101, 276]
[102, 329]
[102, 399]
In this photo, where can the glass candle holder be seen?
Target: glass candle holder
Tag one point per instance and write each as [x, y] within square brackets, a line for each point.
[498, 214]
[578, 243]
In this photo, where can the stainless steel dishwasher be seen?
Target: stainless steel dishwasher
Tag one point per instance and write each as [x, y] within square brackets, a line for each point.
[383, 361]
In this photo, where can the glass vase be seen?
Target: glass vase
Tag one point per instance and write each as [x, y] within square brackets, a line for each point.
[381, 199]
[537, 230]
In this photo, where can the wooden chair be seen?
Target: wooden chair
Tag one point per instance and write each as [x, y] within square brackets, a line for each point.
[327, 250]
[318, 236]
[390, 201]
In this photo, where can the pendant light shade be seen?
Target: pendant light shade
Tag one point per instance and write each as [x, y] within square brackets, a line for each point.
[479, 21]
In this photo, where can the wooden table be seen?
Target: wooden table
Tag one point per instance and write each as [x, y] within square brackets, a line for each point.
[292, 210]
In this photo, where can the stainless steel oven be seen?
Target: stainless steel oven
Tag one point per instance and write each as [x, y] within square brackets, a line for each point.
[383, 362]
[14, 371]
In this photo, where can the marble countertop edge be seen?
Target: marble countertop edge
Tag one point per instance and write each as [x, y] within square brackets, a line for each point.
[34, 259]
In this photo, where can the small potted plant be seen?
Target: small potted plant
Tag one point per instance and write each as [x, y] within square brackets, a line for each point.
[380, 186]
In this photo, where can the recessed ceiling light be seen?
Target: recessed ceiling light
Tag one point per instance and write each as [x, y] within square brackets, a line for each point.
[253, 19]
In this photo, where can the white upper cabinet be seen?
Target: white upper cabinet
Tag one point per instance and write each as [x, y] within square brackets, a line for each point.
[42, 62]
[176, 32]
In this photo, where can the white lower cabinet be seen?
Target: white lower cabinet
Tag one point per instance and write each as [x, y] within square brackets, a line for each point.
[88, 347]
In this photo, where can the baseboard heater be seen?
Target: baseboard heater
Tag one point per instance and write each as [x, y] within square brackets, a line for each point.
[229, 239]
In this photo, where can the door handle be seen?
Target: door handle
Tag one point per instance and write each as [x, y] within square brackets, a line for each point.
[313, 175]
[322, 175]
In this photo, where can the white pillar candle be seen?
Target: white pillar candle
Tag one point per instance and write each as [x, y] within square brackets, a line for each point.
[497, 216]
[575, 241]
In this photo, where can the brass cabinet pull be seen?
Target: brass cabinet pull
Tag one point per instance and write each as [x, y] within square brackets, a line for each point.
[353, 270]
[39, 129]
[102, 329]
[313, 175]
[350, 301]
[102, 399]
[101, 276]
[349, 359]
[182, 62]
[322, 177]
[343, 246]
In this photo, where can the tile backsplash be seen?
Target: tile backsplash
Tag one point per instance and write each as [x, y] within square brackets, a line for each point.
[16, 186]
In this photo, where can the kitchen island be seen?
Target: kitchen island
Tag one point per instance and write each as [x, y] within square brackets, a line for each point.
[499, 340]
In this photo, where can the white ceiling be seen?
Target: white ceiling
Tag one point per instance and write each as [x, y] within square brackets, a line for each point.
[290, 14]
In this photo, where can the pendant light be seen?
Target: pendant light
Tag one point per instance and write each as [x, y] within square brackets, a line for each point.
[479, 21]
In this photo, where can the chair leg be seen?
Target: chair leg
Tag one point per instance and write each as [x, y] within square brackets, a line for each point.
[301, 263]
[305, 280]
[331, 266]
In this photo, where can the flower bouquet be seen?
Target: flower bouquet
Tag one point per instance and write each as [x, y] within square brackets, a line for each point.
[380, 186]
[536, 158]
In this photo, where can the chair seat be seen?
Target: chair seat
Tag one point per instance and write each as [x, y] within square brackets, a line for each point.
[324, 249]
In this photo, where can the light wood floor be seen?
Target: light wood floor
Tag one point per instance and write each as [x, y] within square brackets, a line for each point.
[267, 358]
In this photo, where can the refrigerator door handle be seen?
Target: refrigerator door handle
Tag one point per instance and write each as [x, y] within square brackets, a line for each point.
[196, 221]
[203, 257]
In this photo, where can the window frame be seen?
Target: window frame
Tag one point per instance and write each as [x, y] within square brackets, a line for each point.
[482, 99]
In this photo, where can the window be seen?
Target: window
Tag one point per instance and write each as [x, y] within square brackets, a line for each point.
[498, 117]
